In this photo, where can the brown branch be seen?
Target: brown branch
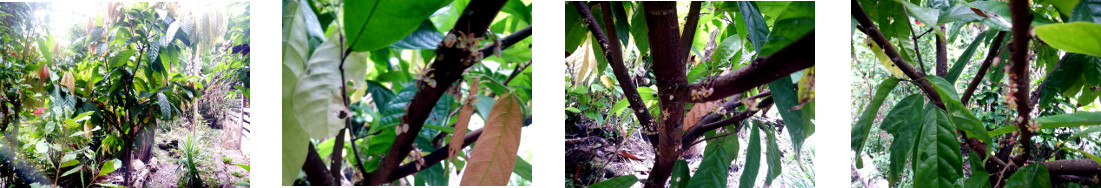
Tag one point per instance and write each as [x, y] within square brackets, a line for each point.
[689, 33]
[1035, 96]
[507, 41]
[942, 55]
[337, 156]
[315, 169]
[475, 20]
[914, 37]
[1019, 75]
[662, 23]
[433, 158]
[991, 54]
[794, 57]
[614, 55]
[1073, 178]
[699, 130]
[519, 68]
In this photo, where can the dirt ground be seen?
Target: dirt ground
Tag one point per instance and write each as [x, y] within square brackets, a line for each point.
[162, 169]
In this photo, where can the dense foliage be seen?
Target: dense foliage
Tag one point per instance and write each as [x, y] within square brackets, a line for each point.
[382, 92]
[696, 85]
[77, 110]
[1026, 114]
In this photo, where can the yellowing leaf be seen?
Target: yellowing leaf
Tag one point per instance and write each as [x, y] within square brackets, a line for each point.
[697, 113]
[67, 81]
[806, 88]
[494, 156]
[884, 60]
[464, 119]
[582, 61]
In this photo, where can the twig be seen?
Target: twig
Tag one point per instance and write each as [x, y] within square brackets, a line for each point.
[762, 70]
[991, 54]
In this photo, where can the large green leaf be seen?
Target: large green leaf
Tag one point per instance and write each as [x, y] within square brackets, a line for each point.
[798, 121]
[1033, 175]
[518, 9]
[863, 126]
[681, 175]
[639, 31]
[1077, 37]
[959, 116]
[110, 166]
[903, 123]
[773, 157]
[752, 158]
[1071, 119]
[522, 168]
[937, 160]
[576, 32]
[962, 61]
[715, 166]
[617, 182]
[373, 24]
[445, 20]
[297, 27]
[622, 28]
[1064, 76]
[793, 23]
[997, 12]
[758, 29]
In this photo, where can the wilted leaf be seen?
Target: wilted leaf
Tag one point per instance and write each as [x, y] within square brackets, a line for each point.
[494, 156]
[697, 113]
[584, 59]
[464, 117]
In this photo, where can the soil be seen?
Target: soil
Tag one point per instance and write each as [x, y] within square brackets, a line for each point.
[163, 169]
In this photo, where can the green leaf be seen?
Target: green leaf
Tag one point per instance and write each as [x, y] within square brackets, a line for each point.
[962, 61]
[937, 160]
[1077, 37]
[773, 154]
[121, 58]
[758, 29]
[68, 160]
[109, 166]
[979, 178]
[373, 24]
[798, 122]
[617, 182]
[681, 175]
[1085, 132]
[944, 88]
[903, 123]
[431, 176]
[576, 32]
[997, 12]
[622, 28]
[639, 31]
[1087, 154]
[572, 109]
[446, 20]
[1068, 120]
[715, 165]
[797, 20]
[1064, 76]
[1085, 11]
[863, 126]
[727, 49]
[928, 16]
[518, 9]
[618, 108]
[522, 168]
[425, 37]
[752, 158]
[295, 141]
[1033, 175]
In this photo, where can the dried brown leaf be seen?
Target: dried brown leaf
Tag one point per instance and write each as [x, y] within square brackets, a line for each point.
[464, 119]
[492, 160]
[697, 113]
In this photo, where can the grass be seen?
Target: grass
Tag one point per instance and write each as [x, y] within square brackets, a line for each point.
[227, 160]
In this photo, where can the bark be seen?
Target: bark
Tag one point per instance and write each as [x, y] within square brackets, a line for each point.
[1019, 75]
[942, 56]
[614, 55]
[791, 58]
[661, 20]
[433, 158]
[315, 170]
[477, 18]
[337, 156]
[991, 54]
[1078, 167]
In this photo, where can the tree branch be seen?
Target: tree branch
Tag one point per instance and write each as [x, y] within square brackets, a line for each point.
[914, 37]
[613, 54]
[689, 33]
[991, 54]
[699, 130]
[433, 158]
[662, 23]
[444, 72]
[1079, 167]
[942, 55]
[508, 41]
[315, 168]
[1019, 76]
[793, 57]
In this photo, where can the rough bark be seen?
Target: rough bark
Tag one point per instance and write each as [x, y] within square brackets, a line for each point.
[315, 169]
[661, 20]
[869, 28]
[1019, 75]
[942, 56]
[791, 58]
